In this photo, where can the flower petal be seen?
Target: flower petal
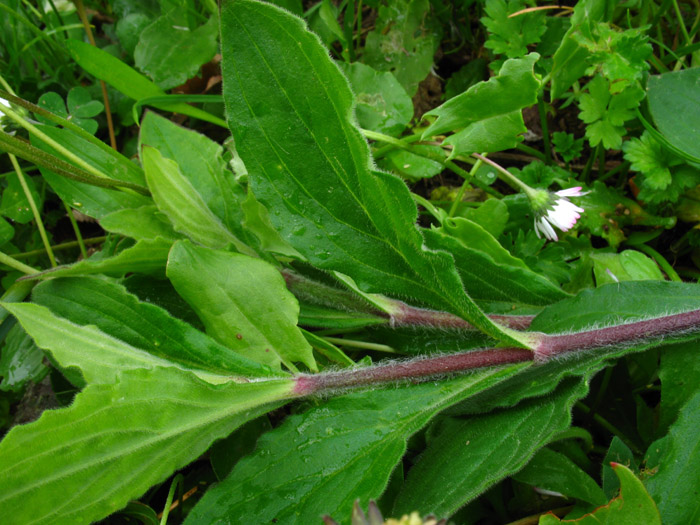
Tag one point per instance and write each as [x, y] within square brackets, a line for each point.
[547, 229]
[572, 192]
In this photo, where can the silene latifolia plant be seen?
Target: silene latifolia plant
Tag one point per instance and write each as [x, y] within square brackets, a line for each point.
[186, 329]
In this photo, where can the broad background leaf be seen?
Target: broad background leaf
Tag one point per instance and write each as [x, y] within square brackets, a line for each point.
[674, 103]
[675, 487]
[554, 471]
[171, 53]
[488, 107]
[466, 456]
[201, 162]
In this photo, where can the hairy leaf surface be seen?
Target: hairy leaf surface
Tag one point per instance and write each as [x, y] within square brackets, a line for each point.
[78, 464]
[289, 109]
[144, 326]
[466, 456]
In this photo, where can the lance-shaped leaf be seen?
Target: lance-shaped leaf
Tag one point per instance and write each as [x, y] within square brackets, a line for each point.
[201, 162]
[80, 463]
[96, 327]
[319, 462]
[145, 327]
[146, 256]
[487, 269]
[466, 456]
[127, 80]
[243, 303]
[97, 357]
[290, 111]
[181, 202]
[499, 100]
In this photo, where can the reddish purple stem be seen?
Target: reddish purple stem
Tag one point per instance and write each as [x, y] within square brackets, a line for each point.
[548, 347]
[417, 369]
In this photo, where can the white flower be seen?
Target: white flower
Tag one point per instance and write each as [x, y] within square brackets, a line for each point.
[3, 103]
[559, 211]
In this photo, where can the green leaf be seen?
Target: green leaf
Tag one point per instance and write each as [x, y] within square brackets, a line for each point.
[289, 111]
[618, 452]
[243, 302]
[626, 301]
[465, 456]
[553, 471]
[605, 114]
[620, 55]
[88, 352]
[514, 88]
[608, 211]
[571, 59]
[567, 146]
[382, 104]
[674, 104]
[489, 135]
[86, 198]
[257, 221]
[628, 265]
[81, 463]
[116, 313]
[511, 36]
[129, 28]
[647, 156]
[81, 105]
[679, 371]
[172, 54]
[676, 485]
[491, 215]
[20, 361]
[143, 223]
[14, 204]
[319, 462]
[201, 163]
[146, 257]
[487, 270]
[632, 507]
[180, 201]
[127, 80]
[412, 165]
[403, 41]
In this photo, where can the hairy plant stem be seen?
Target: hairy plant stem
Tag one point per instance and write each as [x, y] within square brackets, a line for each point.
[397, 313]
[548, 347]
